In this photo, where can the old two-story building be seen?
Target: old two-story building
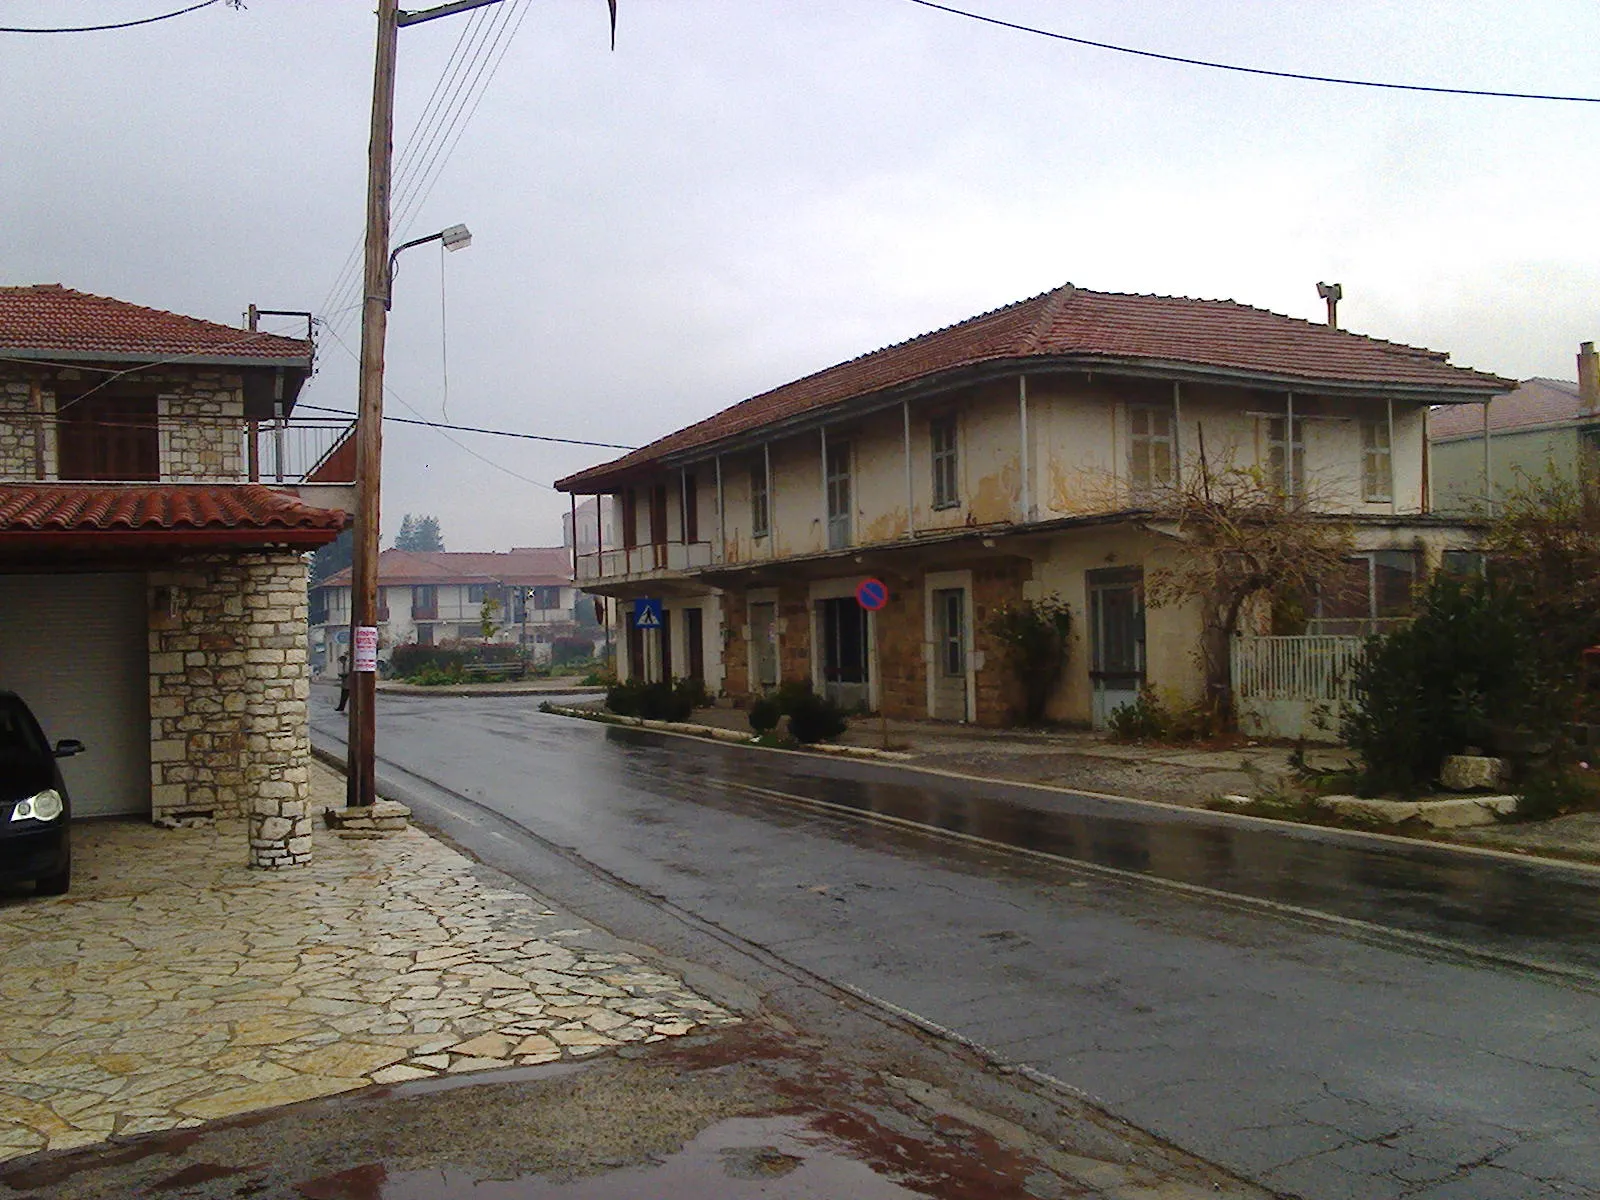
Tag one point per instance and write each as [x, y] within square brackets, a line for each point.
[1001, 458]
[1542, 427]
[429, 597]
[152, 588]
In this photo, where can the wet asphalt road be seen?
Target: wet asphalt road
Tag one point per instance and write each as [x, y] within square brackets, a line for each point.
[1326, 1058]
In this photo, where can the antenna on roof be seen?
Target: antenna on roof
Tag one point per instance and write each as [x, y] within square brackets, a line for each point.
[1332, 293]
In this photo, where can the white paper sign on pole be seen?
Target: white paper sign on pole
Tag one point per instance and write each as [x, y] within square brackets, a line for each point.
[366, 648]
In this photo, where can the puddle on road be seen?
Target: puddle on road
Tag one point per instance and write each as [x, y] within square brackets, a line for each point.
[773, 1158]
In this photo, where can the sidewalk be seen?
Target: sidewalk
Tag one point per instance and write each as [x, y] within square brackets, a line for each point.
[1084, 761]
[175, 985]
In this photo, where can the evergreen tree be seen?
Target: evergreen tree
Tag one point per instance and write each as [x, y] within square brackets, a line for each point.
[419, 533]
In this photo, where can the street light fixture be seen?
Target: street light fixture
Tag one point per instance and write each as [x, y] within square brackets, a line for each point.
[456, 237]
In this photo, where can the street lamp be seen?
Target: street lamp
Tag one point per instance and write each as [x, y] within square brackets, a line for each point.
[456, 237]
[361, 783]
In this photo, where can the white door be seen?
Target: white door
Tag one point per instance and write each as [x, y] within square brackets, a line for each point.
[75, 647]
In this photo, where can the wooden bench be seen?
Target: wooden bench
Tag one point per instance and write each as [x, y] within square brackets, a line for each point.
[493, 672]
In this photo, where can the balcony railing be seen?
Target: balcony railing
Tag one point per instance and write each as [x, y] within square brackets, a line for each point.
[424, 612]
[182, 448]
[643, 561]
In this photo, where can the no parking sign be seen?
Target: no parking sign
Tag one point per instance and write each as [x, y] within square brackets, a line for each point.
[872, 594]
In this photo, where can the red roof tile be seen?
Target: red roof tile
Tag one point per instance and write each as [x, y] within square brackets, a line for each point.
[1533, 402]
[523, 566]
[47, 316]
[1072, 323]
[222, 514]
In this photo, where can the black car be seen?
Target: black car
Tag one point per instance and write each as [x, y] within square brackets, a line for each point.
[35, 810]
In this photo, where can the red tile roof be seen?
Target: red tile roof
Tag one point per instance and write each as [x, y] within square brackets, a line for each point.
[522, 566]
[216, 514]
[49, 317]
[1074, 324]
[1534, 402]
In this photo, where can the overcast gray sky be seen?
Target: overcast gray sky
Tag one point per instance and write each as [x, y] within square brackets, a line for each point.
[749, 190]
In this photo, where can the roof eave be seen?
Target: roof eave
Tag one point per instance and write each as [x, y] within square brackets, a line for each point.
[599, 480]
[155, 358]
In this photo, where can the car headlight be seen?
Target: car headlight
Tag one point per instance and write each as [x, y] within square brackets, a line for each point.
[41, 806]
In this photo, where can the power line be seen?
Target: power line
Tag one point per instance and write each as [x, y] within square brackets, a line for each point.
[119, 25]
[510, 433]
[389, 391]
[1221, 66]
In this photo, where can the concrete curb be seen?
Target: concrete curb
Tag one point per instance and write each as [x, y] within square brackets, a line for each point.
[716, 733]
[486, 689]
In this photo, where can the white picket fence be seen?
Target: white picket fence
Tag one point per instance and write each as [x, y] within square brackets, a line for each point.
[1294, 687]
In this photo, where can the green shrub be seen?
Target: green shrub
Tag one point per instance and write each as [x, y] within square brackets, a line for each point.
[650, 701]
[1549, 791]
[813, 718]
[432, 676]
[1462, 674]
[764, 714]
[1144, 720]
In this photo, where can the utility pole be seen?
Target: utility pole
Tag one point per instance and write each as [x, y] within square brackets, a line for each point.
[361, 759]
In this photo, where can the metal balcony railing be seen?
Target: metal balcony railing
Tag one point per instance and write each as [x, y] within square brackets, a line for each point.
[643, 561]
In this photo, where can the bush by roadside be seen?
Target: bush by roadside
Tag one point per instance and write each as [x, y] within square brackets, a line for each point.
[812, 718]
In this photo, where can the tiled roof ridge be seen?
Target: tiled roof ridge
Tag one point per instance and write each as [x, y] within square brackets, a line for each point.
[245, 335]
[1384, 344]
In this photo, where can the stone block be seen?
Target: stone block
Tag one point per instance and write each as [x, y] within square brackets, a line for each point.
[274, 830]
[1472, 773]
[1456, 812]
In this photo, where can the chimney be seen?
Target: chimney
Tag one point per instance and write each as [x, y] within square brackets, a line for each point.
[1588, 378]
[1332, 293]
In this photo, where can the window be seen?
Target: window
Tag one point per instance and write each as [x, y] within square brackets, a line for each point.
[476, 592]
[1293, 481]
[1463, 563]
[839, 501]
[546, 598]
[946, 492]
[1150, 456]
[760, 513]
[424, 601]
[1375, 461]
[106, 436]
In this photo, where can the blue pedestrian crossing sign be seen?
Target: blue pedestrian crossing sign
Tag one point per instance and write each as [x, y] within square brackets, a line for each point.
[647, 613]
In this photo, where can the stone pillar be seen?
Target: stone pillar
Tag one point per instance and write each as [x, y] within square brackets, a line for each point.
[228, 692]
[277, 747]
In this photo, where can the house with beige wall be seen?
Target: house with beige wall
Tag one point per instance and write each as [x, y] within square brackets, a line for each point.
[1012, 455]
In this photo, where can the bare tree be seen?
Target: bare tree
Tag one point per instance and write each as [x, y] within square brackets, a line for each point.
[1238, 537]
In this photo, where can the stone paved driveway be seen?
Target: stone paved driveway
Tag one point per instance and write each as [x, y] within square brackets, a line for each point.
[174, 985]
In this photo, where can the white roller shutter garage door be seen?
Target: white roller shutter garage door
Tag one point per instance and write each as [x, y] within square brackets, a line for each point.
[75, 647]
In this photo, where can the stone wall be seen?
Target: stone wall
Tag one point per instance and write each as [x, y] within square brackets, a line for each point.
[201, 412]
[993, 584]
[228, 691]
[20, 431]
[202, 425]
[900, 633]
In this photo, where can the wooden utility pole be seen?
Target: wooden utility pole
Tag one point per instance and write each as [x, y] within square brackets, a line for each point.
[361, 756]
[361, 759]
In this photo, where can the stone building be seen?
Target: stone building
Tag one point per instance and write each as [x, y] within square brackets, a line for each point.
[153, 594]
[1003, 458]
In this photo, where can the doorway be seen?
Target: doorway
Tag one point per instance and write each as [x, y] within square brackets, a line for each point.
[843, 625]
[1116, 639]
[763, 646]
[950, 655]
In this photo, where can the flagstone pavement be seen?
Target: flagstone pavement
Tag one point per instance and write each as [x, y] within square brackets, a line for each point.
[175, 985]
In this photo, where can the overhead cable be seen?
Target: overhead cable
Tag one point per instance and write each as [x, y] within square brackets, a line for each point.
[510, 433]
[167, 16]
[1221, 66]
